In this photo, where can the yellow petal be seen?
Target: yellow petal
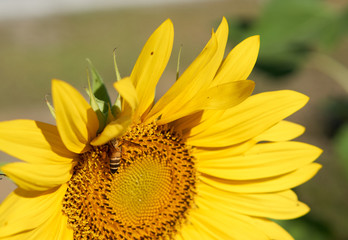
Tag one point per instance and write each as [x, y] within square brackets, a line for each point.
[262, 161]
[222, 96]
[197, 76]
[222, 224]
[63, 230]
[200, 121]
[243, 227]
[282, 131]
[218, 97]
[20, 236]
[194, 78]
[272, 230]
[117, 127]
[151, 63]
[33, 142]
[192, 232]
[76, 121]
[239, 62]
[208, 154]
[23, 211]
[250, 118]
[128, 92]
[277, 205]
[114, 129]
[56, 227]
[273, 184]
[38, 177]
[207, 228]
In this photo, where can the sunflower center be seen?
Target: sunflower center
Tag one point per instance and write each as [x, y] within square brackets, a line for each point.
[141, 190]
[140, 186]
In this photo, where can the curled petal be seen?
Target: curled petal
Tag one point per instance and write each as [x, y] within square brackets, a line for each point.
[117, 127]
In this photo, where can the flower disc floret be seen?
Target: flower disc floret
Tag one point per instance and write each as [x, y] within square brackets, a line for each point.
[147, 198]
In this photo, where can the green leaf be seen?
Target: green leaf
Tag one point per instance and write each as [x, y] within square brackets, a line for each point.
[341, 146]
[99, 90]
[290, 30]
[178, 64]
[305, 228]
[99, 97]
[118, 75]
[51, 108]
[116, 108]
[102, 118]
[335, 115]
[344, 19]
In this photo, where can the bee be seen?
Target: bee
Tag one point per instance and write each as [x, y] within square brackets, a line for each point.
[115, 155]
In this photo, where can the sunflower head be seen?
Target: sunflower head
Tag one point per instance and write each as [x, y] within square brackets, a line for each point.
[207, 160]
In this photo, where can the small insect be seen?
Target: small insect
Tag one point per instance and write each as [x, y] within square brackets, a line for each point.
[115, 155]
[2, 175]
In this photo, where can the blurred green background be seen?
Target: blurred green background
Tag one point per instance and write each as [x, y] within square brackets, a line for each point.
[304, 47]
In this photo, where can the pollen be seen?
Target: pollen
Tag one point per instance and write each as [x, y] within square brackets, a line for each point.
[148, 197]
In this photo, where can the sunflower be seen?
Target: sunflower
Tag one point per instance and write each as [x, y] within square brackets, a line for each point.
[206, 161]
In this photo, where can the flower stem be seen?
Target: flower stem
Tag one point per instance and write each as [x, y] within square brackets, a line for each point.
[336, 70]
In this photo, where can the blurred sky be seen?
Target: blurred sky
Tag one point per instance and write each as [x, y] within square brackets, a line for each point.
[10, 9]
